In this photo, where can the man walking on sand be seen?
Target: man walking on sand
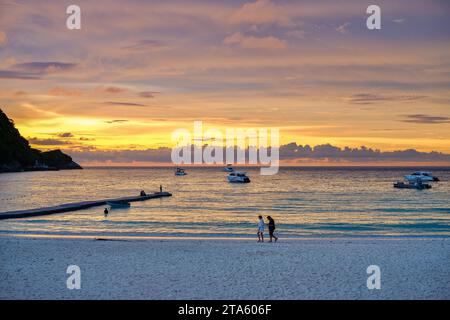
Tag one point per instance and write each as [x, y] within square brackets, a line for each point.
[271, 228]
[260, 229]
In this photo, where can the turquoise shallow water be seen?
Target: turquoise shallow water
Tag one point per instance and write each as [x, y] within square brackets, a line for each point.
[305, 202]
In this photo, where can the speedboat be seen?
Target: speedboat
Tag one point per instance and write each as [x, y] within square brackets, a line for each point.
[422, 175]
[418, 184]
[118, 204]
[229, 168]
[180, 172]
[238, 177]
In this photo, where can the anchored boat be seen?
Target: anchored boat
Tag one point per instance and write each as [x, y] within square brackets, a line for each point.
[422, 175]
[238, 177]
[118, 204]
[418, 185]
[229, 168]
[180, 172]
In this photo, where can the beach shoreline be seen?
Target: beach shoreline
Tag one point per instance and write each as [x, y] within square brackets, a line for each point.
[119, 237]
[175, 268]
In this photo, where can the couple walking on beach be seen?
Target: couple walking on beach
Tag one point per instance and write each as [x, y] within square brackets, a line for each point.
[271, 226]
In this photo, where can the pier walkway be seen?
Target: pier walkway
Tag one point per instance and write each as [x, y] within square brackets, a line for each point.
[76, 206]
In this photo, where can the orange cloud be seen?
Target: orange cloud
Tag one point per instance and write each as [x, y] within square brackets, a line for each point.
[343, 28]
[251, 42]
[60, 91]
[112, 89]
[3, 37]
[260, 12]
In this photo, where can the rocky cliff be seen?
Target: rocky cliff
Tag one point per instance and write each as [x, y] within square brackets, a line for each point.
[17, 155]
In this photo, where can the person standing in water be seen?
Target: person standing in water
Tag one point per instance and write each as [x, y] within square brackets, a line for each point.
[105, 212]
[271, 229]
[260, 229]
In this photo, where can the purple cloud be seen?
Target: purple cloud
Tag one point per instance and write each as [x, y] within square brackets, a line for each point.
[45, 66]
[8, 74]
[65, 135]
[127, 104]
[47, 142]
[426, 119]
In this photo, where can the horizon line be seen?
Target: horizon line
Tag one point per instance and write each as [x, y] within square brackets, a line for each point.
[406, 165]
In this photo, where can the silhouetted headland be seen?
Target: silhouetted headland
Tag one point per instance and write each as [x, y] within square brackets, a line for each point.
[16, 154]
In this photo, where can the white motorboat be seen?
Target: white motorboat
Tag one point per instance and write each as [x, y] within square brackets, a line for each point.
[421, 175]
[180, 172]
[229, 168]
[419, 185]
[238, 177]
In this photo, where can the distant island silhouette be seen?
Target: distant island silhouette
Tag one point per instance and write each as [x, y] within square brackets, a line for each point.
[16, 155]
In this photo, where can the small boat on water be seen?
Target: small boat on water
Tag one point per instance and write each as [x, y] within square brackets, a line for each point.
[180, 172]
[422, 175]
[418, 185]
[229, 168]
[118, 204]
[238, 177]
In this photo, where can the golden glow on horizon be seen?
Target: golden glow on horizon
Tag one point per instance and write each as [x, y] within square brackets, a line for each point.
[138, 136]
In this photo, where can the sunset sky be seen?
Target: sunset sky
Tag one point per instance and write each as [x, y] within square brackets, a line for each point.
[137, 71]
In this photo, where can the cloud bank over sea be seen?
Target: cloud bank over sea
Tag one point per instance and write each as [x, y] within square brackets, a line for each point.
[291, 153]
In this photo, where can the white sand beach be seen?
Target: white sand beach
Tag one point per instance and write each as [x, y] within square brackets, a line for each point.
[35, 268]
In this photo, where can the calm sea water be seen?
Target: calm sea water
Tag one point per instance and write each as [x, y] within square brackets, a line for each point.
[305, 202]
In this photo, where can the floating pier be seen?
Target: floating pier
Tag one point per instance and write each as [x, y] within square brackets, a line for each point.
[76, 206]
